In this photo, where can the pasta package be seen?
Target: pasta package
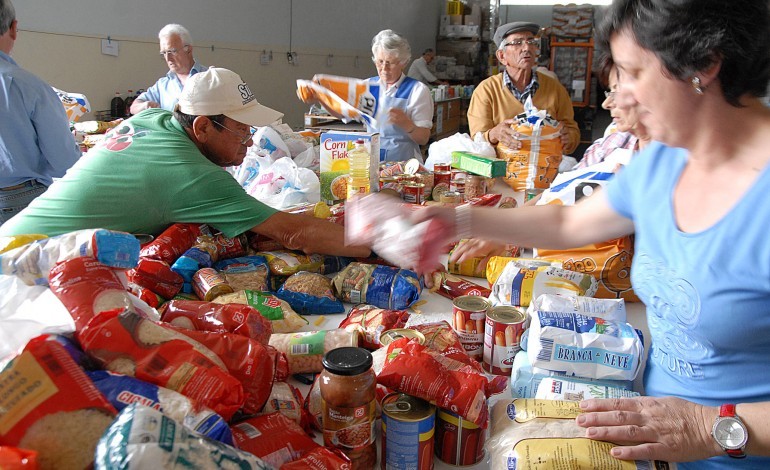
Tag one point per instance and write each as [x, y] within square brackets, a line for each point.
[287, 262]
[217, 318]
[477, 267]
[310, 293]
[172, 242]
[245, 272]
[282, 318]
[519, 286]
[371, 322]
[305, 350]
[381, 286]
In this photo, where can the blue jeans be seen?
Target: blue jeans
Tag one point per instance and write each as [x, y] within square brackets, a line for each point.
[12, 201]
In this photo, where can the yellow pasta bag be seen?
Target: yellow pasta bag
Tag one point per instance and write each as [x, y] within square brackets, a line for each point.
[536, 163]
[496, 265]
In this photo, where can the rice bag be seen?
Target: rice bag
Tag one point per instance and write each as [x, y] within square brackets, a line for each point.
[122, 391]
[282, 318]
[43, 393]
[370, 322]
[126, 343]
[584, 346]
[310, 293]
[245, 272]
[305, 350]
[613, 310]
[86, 287]
[157, 276]
[381, 286]
[519, 285]
[32, 262]
[142, 437]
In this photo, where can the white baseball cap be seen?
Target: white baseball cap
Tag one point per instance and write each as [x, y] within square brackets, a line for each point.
[221, 91]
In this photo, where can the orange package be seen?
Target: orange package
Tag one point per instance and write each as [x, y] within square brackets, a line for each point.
[239, 319]
[49, 405]
[129, 344]
[419, 371]
[245, 359]
[12, 458]
[536, 163]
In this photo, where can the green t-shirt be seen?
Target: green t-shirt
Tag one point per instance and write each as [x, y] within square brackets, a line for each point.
[146, 175]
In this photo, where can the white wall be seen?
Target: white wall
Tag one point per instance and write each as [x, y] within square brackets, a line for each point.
[60, 41]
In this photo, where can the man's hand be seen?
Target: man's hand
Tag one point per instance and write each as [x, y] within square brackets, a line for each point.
[563, 136]
[138, 105]
[503, 133]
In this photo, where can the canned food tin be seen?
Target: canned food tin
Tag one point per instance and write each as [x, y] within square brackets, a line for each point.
[507, 202]
[458, 186]
[502, 336]
[475, 186]
[389, 336]
[408, 425]
[470, 313]
[458, 174]
[413, 193]
[388, 181]
[426, 178]
[442, 167]
[458, 441]
[451, 197]
[208, 284]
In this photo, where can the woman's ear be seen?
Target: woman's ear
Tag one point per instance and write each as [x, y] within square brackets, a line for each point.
[710, 73]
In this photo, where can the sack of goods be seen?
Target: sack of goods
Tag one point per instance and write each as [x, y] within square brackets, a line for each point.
[536, 163]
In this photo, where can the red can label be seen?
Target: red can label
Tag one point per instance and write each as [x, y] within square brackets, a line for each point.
[502, 336]
[441, 167]
[413, 193]
[470, 312]
[442, 177]
[458, 442]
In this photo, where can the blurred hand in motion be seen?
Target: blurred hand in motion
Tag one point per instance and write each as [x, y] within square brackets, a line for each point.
[476, 248]
[398, 117]
[649, 428]
[504, 134]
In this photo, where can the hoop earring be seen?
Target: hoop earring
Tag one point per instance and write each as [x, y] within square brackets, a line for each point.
[696, 85]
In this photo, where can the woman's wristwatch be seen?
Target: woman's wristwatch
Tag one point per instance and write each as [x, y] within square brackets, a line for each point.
[730, 432]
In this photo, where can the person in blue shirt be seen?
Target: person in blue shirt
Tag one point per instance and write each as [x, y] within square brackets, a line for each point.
[177, 50]
[36, 144]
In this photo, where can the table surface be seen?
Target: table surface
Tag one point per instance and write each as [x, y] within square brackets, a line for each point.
[437, 307]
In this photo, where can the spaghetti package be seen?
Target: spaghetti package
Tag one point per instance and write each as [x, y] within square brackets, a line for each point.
[609, 262]
[381, 286]
[157, 276]
[419, 371]
[536, 163]
[126, 343]
[519, 285]
[245, 272]
[44, 397]
[310, 293]
[371, 322]
[477, 267]
[142, 437]
[217, 318]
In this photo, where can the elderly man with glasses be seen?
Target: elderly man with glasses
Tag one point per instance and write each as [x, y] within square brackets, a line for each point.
[501, 97]
[159, 168]
[176, 50]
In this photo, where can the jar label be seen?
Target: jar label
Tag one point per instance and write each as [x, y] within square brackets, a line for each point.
[349, 428]
[307, 344]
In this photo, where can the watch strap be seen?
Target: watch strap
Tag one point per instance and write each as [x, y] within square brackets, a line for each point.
[728, 409]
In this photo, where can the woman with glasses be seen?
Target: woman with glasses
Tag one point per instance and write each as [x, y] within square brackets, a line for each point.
[627, 132]
[404, 109]
[176, 50]
[499, 98]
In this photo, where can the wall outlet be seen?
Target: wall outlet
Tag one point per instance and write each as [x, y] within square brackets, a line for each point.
[266, 57]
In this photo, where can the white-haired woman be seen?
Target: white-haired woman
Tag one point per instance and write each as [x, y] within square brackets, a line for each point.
[404, 108]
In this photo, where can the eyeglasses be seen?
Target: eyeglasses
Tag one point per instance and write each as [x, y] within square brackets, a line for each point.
[384, 63]
[244, 140]
[610, 94]
[173, 52]
[520, 42]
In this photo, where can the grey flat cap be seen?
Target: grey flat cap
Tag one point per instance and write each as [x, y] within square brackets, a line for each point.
[514, 27]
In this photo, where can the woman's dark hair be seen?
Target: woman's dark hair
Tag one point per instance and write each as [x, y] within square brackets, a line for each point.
[603, 66]
[186, 120]
[688, 36]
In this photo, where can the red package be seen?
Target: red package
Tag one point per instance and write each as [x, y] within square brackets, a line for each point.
[126, 343]
[157, 276]
[149, 297]
[278, 440]
[12, 458]
[281, 363]
[240, 319]
[441, 337]
[231, 247]
[170, 244]
[371, 321]
[416, 370]
[484, 200]
[87, 287]
[49, 405]
[245, 359]
[451, 286]
[320, 458]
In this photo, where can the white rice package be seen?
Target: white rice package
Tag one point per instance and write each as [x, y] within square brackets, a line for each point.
[520, 284]
[142, 437]
[584, 346]
[613, 310]
[566, 388]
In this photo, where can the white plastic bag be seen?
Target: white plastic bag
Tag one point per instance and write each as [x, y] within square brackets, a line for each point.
[283, 184]
[441, 150]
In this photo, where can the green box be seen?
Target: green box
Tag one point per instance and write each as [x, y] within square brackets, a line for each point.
[479, 164]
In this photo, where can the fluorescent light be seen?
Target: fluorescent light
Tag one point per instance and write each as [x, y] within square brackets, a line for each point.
[551, 2]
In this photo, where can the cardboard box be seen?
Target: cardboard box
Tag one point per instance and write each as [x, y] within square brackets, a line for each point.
[479, 164]
[334, 167]
[455, 19]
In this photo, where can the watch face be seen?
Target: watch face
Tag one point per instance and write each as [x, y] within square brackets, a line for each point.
[730, 434]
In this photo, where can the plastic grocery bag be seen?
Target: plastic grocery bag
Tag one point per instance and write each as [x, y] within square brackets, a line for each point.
[441, 150]
[75, 104]
[283, 184]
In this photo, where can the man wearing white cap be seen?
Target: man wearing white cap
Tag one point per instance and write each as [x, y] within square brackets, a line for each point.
[157, 169]
[499, 98]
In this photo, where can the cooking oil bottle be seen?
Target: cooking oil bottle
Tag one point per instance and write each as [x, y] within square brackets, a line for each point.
[358, 160]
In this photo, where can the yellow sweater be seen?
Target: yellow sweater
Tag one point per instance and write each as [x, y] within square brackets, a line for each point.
[492, 103]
